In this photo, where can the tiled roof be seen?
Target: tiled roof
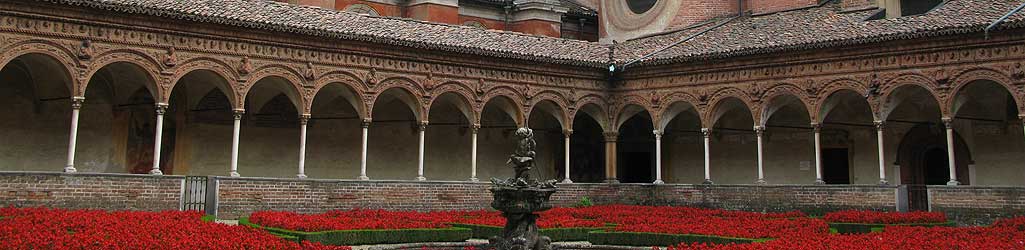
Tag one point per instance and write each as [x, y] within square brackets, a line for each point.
[825, 26]
[817, 27]
[577, 8]
[274, 16]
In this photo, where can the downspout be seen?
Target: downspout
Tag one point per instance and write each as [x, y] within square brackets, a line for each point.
[685, 39]
[1003, 18]
[507, 8]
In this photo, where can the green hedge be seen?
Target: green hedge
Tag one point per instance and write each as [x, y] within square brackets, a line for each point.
[557, 234]
[658, 239]
[208, 218]
[368, 237]
[860, 228]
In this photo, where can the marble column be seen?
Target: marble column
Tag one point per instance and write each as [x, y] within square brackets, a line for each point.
[658, 157]
[706, 134]
[759, 132]
[160, 110]
[303, 121]
[363, 151]
[422, 128]
[473, 152]
[567, 134]
[816, 129]
[951, 163]
[882, 153]
[237, 116]
[610, 157]
[76, 108]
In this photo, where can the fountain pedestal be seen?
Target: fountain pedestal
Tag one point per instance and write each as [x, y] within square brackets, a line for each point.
[519, 206]
[520, 199]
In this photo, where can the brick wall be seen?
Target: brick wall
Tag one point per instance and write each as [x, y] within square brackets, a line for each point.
[857, 4]
[767, 6]
[242, 196]
[696, 11]
[91, 191]
[977, 205]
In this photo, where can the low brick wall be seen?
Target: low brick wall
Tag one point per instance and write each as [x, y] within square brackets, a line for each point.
[977, 205]
[812, 199]
[242, 196]
[91, 191]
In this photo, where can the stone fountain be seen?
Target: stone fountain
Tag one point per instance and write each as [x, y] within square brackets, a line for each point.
[520, 198]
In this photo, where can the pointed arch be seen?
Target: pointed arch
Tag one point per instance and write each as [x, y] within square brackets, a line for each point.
[48, 49]
[135, 60]
[895, 87]
[280, 78]
[779, 96]
[210, 66]
[345, 85]
[970, 76]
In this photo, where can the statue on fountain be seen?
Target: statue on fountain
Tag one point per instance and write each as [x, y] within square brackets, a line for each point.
[520, 198]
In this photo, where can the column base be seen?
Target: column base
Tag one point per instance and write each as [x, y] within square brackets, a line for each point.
[953, 183]
[363, 178]
[70, 169]
[474, 179]
[884, 182]
[301, 176]
[612, 181]
[708, 182]
[567, 181]
[761, 182]
[820, 182]
[234, 174]
[658, 182]
[420, 178]
[156, 172]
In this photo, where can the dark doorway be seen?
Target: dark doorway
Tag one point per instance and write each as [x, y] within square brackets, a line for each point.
[636, 167]
[636, 150]
[587, 151]
[836, 166]
[922, 157]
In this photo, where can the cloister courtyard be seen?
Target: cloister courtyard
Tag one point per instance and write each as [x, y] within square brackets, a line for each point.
[380, 124]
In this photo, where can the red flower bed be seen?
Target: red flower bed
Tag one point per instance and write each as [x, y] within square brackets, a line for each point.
[999, 236]
[40, 228]
[874, 217]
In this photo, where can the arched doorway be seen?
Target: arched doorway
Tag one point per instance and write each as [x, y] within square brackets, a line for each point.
[922, 157]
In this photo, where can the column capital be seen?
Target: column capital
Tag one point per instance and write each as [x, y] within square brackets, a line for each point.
[1022, 118]
[879, 125]
[759, 130]
[304, 119]
[474, 128]
[161, 108]
[76, 102]
[816, 127]
[658, 133]
[237, 113]
[365, 123]
[706, 132]
[567, 132]
[422, 126]
[611, 136]
[948, 122]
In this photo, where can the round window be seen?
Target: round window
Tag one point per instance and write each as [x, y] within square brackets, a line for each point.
[640, 6]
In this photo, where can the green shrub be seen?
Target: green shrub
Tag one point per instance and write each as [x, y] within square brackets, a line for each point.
[368, 237]
[860, 228]
[585, 202]
[208, 218]
[556, 234]
[658, 239]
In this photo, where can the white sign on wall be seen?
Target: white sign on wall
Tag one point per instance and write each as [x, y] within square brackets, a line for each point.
[805, 166]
